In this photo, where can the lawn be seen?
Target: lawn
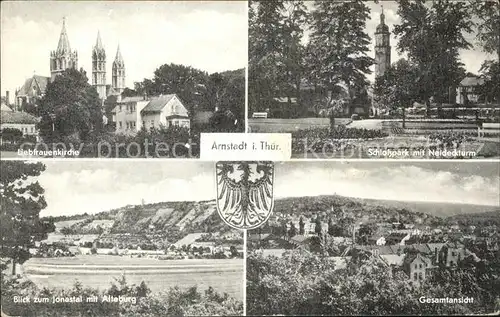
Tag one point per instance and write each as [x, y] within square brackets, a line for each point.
[99, 271]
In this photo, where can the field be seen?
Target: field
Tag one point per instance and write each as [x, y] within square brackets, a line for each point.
[99, 271]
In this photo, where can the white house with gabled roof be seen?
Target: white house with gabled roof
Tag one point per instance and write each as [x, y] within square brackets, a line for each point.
[132, 113]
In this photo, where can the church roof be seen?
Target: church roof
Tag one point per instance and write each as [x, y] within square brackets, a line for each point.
[63, 45]
[39, 81]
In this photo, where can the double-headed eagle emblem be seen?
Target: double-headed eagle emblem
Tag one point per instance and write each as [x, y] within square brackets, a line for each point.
[245, 193]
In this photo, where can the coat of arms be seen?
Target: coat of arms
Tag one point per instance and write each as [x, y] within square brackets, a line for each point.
[245, 193]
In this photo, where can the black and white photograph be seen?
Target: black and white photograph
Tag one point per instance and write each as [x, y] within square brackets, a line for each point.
[114, 79]
[118, 238]
[377, 79]
[378, 238]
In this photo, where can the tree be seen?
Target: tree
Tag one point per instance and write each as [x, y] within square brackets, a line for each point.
[317, 228]
[293, 231]
[70, 106]
[396, 88]
[11, 135]
[488, 35]
[490, 71]
[22, 201]
[331, 228]
[301, 226]
[338, 46]
[432, 36]
[184, 81]
[275, 51]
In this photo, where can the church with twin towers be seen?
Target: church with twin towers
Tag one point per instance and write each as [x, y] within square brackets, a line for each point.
[63, 58]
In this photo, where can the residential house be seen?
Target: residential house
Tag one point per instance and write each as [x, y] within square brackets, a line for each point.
[131, 114]
[416, 266]
[127, 114]
[166, 110]
[467, 90]
[22, 121]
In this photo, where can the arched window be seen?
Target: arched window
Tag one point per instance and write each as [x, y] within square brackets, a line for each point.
[415, 276]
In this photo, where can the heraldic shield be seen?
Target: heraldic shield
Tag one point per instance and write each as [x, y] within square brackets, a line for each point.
[245, 193]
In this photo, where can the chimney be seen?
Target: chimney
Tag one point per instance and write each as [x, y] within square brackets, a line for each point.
[7, 98]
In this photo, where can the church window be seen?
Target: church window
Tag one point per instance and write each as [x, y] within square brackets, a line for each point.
[415, 266]
[144, 123]
[420, 276]
[415, 276]
[420, 266]
[120, 124]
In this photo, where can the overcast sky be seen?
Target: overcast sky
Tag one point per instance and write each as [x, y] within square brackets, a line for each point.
[430, 181]
[211, 36]
[75, 187]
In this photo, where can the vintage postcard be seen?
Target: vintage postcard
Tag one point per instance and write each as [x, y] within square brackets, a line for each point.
[378, 238]
[116, 239]
[377, 79]
[120, 79]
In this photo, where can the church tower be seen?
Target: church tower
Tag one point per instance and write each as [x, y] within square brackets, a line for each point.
[118, 72]
[99, 68]
[62, 58]
[382, 47]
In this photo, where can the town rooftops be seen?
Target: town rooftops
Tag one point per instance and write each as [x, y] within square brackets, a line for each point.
[158, 103]
[257, 237]
[17, 117]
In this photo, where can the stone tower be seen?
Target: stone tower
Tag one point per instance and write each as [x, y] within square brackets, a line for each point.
[382, 47]
[118, 72]
[99, 68]
[62, 58]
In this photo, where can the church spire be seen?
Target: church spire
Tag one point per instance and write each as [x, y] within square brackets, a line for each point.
[382, 16]
[98, 43]
[63, 45]
[118, 58]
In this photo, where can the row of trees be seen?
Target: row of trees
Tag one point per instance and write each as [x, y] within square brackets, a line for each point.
[333, 57]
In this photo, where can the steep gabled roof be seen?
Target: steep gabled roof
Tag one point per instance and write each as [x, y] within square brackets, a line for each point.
[472, 81]
[158, 103]
[40, 82]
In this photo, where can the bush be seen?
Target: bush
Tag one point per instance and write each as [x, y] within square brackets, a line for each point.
[174, 302]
